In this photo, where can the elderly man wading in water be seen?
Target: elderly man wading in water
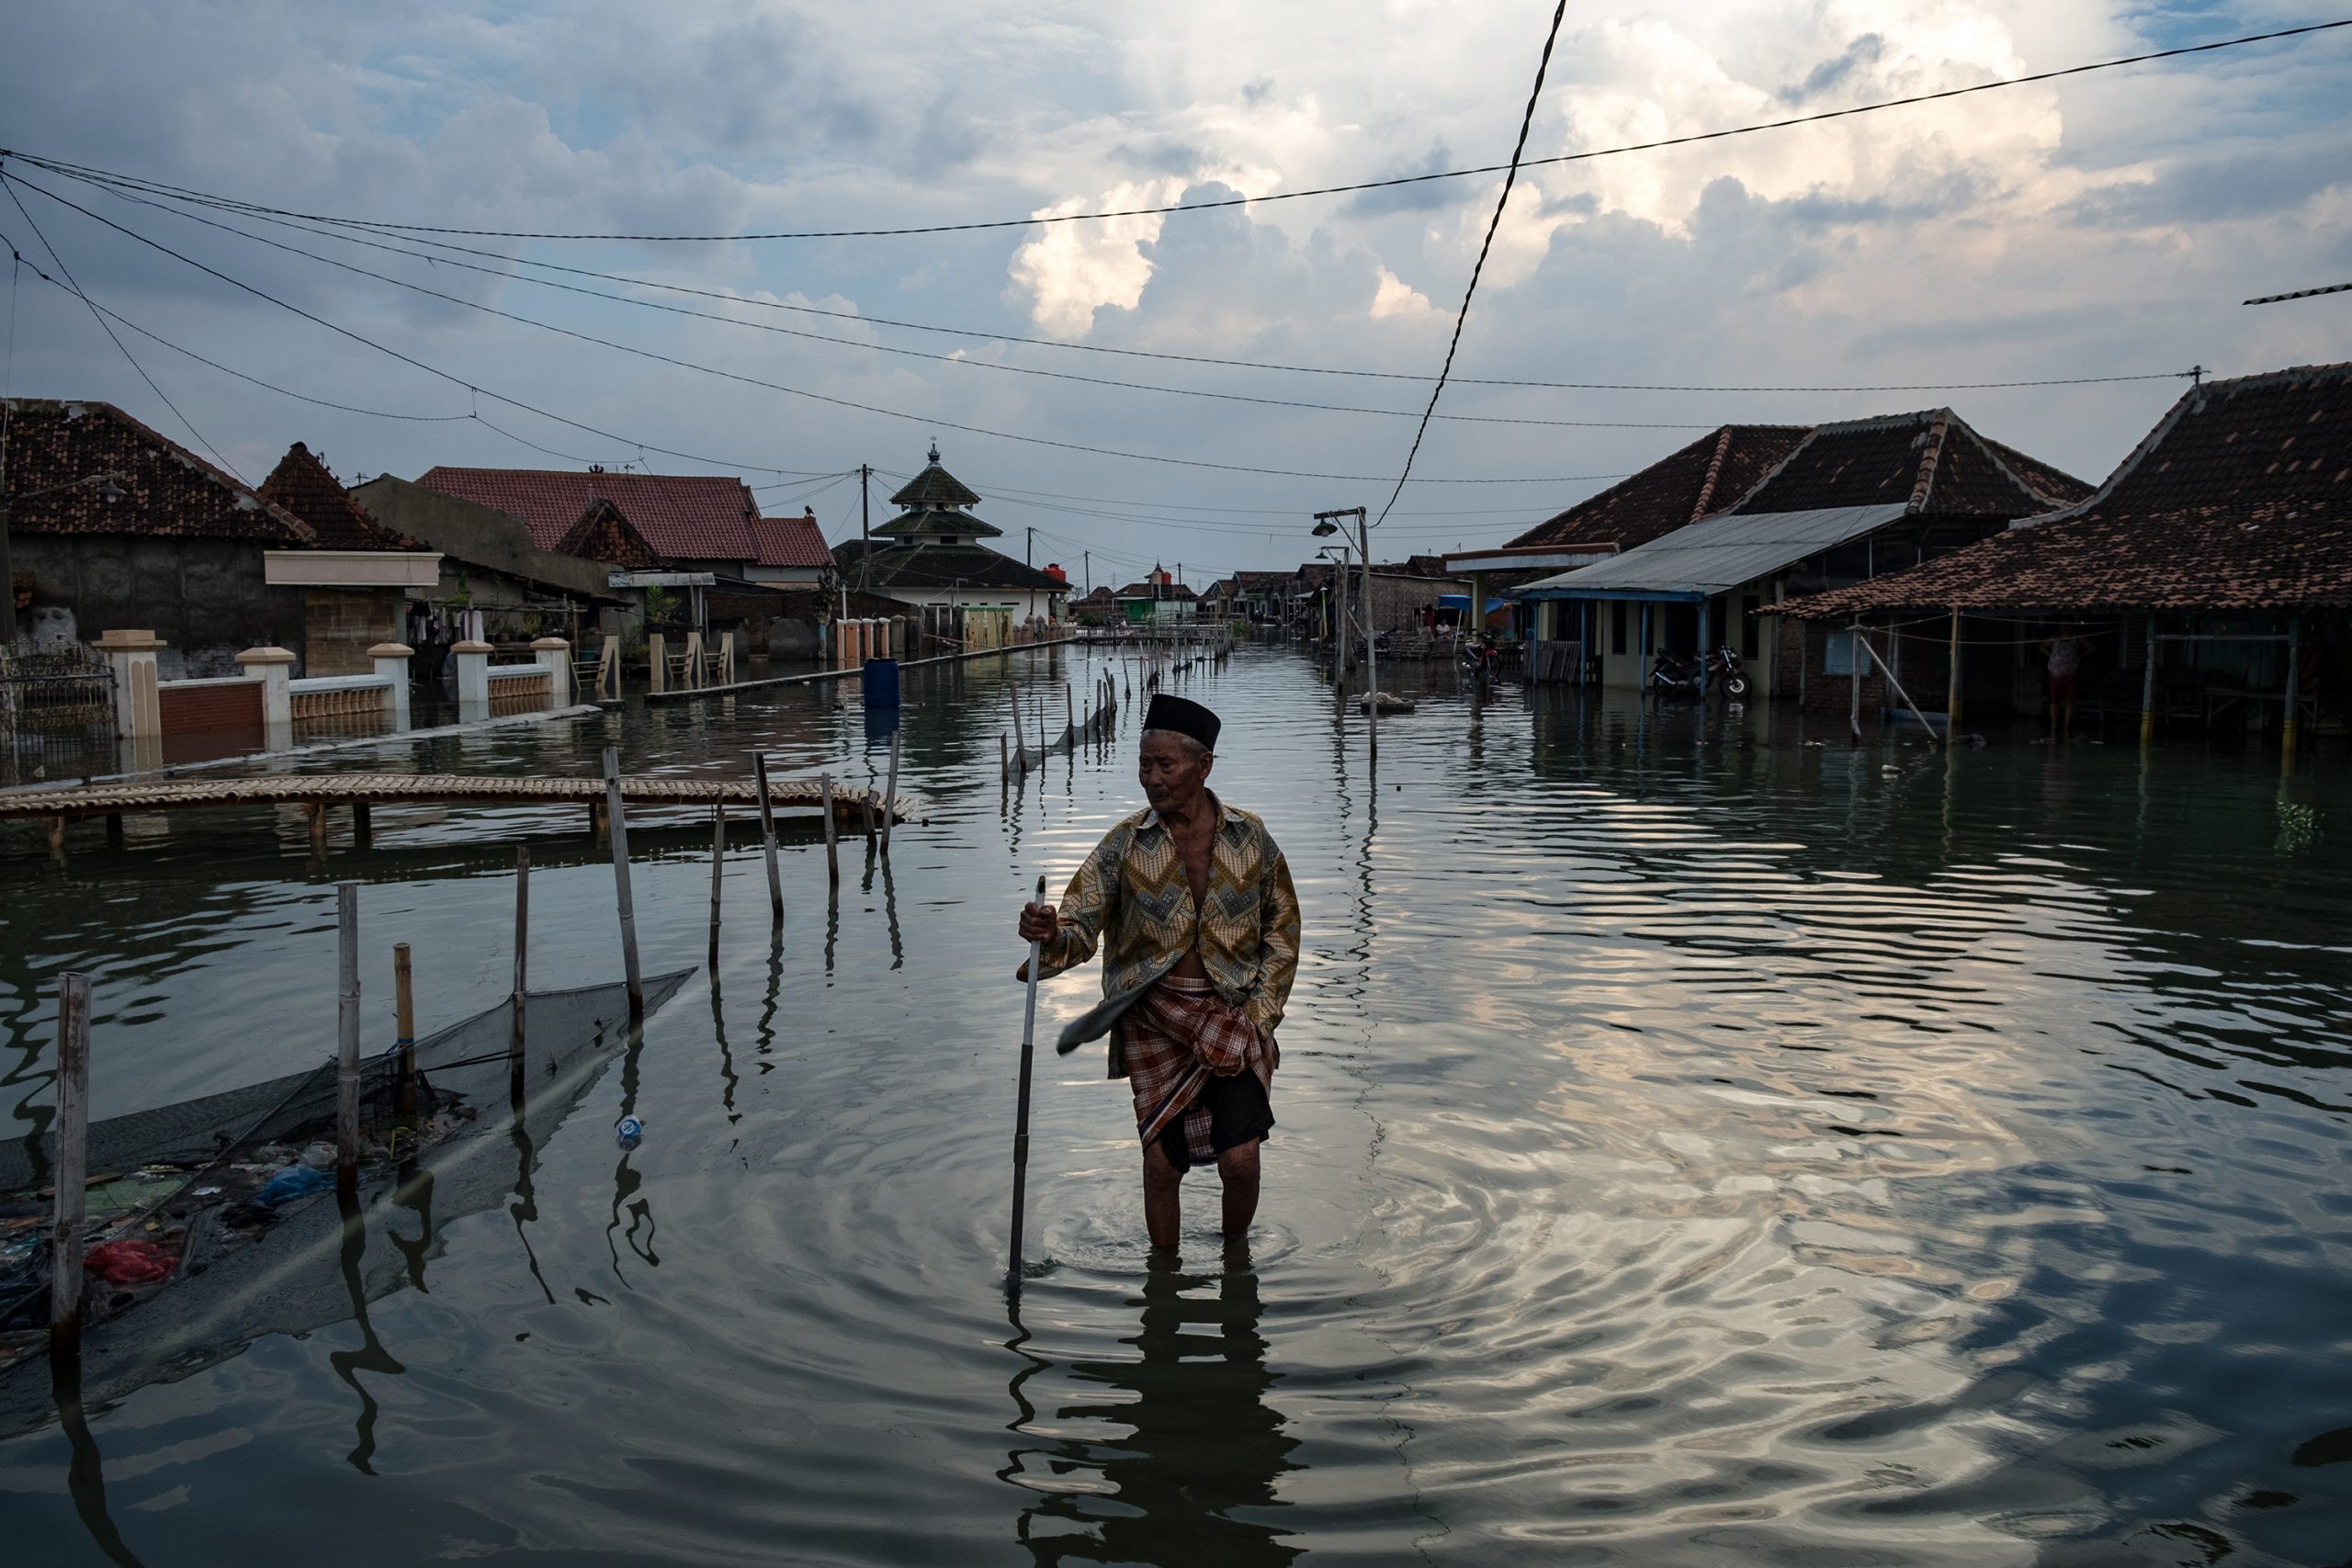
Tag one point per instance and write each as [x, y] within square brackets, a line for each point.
[1193, 903]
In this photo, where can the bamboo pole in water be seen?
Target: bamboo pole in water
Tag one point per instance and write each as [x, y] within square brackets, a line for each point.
[347, 1052]
[1952, 699]
[404, 1030]
[832, 849]
[616, 824]
[522, 974]
[72, 1166]
[767, 837]
[717, 860]
[890, 793]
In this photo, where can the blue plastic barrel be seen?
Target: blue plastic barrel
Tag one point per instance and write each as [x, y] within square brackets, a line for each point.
[881, 682]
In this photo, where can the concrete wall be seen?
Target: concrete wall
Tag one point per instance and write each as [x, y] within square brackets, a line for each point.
[204, 597]
[340, 625]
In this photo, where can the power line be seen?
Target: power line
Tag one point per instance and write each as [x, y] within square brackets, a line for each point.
[2300, 294]
[124, 186]
[1462, 317]
[108, 327]
[1034, 220]
[852, 343]
[407, 359]
[687, 363]
[123, 320]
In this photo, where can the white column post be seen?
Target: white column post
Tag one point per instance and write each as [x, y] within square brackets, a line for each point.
[391, 664]
[555, 657]
[138, 709]
[275, 666]
[474, 680]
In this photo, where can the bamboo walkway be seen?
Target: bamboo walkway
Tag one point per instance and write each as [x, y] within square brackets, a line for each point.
[322, 791]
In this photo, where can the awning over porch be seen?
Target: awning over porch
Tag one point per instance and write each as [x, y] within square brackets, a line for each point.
[1715, 555]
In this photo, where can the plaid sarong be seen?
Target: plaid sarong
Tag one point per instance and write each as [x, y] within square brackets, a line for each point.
[1178, 1035]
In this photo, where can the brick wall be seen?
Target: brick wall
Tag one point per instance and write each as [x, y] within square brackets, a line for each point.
[340, 625]
[1398, 602]
[190, 708]
[1824, 693]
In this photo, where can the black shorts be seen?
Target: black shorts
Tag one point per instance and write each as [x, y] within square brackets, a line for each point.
[1238, 1113]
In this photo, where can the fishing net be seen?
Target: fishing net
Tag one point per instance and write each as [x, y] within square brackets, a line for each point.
[464, 1064]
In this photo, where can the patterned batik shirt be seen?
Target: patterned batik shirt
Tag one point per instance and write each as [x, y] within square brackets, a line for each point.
[1132, 896]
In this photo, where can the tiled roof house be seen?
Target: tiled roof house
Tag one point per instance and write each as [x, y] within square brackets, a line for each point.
[117, 527]
[694, 522]
[1840, 502]
[2214, 563]
[2239, 500]
[791, 550]
[355, 579]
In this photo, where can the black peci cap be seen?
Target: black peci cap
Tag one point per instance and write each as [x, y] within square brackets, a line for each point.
[1184, 717]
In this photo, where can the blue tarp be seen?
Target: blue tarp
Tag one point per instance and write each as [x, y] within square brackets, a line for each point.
[1462, 602]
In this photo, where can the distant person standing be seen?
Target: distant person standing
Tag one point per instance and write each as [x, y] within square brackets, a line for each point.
[2065, 654]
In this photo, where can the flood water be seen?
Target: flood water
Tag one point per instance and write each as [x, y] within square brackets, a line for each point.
[1697, 1144]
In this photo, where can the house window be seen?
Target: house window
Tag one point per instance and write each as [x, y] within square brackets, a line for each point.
[1617, 626]
[1837, 654]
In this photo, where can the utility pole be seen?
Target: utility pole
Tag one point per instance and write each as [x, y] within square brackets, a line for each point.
[864, 524]
[1086, 564]
[1029, 550]
[1329, 522]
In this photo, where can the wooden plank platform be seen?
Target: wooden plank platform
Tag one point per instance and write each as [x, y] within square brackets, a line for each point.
[325, 790]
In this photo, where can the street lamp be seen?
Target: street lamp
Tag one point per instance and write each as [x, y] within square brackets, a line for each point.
[1327, 523]
[111, 493]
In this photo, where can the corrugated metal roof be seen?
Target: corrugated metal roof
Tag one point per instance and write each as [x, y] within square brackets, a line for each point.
[1716, 553]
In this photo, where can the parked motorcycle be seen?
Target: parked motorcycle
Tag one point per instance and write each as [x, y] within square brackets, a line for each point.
[1682, 675]
[1481, 657]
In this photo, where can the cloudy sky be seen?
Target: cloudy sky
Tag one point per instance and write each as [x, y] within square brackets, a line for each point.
[2108, 225]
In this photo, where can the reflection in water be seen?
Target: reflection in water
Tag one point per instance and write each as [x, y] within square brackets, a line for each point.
[1194, 1478]
[626, 1179]
[371, 1355]
[86, 1472]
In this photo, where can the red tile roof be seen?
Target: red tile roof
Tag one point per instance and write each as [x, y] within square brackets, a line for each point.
[1933, 461]
[605, 533]
[1705, 476]
[2240, 498]
[166, 490]
[684, 516]
[304, 486]
[790, 542]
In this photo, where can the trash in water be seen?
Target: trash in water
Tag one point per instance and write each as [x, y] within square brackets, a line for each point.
[296, 1182]
[208, 1191]
[318, 1156]
[131, 1262]
[630, 1131]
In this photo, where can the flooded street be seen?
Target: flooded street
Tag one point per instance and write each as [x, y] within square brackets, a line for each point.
[1699, 1141]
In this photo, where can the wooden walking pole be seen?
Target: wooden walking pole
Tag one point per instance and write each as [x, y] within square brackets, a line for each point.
[617, 825]
[1020, 1116]
[346, 1043]
[890, 791]
[717, 860]
[404, 1028]
[72, 1166]
[767, 837]
[522, 974]
[832, 851]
